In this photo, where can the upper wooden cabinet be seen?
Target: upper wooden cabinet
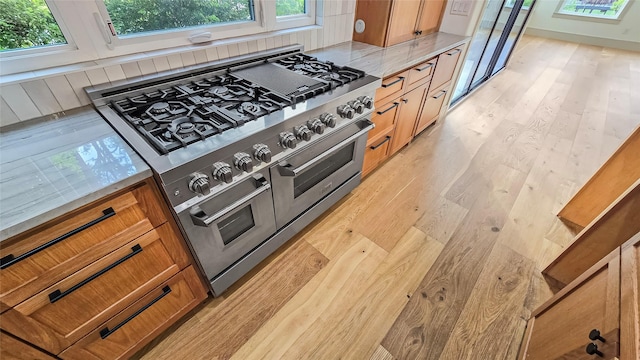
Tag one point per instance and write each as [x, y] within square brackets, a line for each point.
[390, 22]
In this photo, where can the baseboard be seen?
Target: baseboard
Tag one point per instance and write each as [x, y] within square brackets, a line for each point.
[584, 39]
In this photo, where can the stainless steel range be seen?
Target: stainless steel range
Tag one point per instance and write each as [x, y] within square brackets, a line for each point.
[247, 151]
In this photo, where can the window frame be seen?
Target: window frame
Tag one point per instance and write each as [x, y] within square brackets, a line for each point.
[84, 25]
[591, 16]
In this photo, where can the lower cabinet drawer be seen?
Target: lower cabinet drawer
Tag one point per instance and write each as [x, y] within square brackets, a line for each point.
[13, 349]
[131, 329]
[383, 117]
[376, 152]
[65, 312]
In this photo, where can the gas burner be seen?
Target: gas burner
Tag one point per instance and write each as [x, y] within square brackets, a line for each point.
[218, 90]
[326, 71]
[248, 107]
[159, 108]
[165, 111]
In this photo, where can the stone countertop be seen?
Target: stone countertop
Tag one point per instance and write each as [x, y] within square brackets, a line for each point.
[55, 165]
[382, 62]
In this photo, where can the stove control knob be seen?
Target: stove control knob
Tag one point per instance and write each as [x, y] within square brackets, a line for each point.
[357, 106]
[367, 101]
[346, 111]
[288, 140]
[303, 132]
[262, 152]
[328, 119]
[222, 172]
[243, 161]
[199, 183]
[316, 126]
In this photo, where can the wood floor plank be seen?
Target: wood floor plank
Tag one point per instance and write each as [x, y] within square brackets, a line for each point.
[441, 218]
[492, 307]
[224, 324]
[330, 285]
[356, 331]
[423, 327]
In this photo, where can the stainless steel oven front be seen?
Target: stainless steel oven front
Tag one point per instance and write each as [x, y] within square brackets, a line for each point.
[224, 226]
[303, 179]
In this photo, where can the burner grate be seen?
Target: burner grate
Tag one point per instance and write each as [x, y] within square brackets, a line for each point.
[326, 71]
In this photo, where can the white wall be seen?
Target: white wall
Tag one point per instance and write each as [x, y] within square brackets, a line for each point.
[544, 21]
[463, 25]
[44, 92]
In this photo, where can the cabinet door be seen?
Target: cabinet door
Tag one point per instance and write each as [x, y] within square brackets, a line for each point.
[431, 108]
[445, 67]
[630, 299]
[384, 117]
[561, 327]
[71, 308]
[402, 23]
[410, 105]
[429, 18]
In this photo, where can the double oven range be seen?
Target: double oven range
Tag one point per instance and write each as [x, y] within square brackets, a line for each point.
[247, 151]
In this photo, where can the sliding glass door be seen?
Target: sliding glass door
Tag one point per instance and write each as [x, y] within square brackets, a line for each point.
[499, 29]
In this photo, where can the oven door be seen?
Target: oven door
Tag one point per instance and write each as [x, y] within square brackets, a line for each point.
[305, 178]
[227, 225]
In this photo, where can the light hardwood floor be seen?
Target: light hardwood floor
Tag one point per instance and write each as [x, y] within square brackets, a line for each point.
[437, 254]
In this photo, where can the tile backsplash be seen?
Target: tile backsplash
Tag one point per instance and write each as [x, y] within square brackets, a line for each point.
[45, 95]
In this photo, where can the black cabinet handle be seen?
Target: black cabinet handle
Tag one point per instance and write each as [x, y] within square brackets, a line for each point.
[400, 78]
[454, 52]
[426, 67]
[387, 138]
[442, 92]
[592, 349]
[595, 335]
[10, 259]
[395, 104]
[57, 295]
[104, 333]
[405, 100]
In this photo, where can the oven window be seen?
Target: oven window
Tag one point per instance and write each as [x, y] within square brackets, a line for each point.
[322, 170]
[235, 225]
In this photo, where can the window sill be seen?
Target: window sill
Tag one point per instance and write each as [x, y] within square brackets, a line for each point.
[119, 60]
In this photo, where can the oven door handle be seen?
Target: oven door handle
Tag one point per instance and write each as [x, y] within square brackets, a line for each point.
[287, 169]
[206, 221]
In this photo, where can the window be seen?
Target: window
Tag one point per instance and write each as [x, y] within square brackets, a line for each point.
[606, 9]
[26, 24]
[526, 5]
[143, 16]
[70, 31]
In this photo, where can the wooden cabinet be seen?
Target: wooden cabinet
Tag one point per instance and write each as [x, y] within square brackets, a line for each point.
[604, 298]
[390, 22]
[407, 103]
[410, 105]
[447, 63]
[431, 108]
[69, 277]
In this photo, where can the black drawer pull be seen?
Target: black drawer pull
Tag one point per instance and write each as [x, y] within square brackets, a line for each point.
[595, 335]
[57, 295]
[387, 138]
[442, 92]
[400, 78]
[426, 67]
[454, 52]
[395, 104]
[104, 333]
[10, 259]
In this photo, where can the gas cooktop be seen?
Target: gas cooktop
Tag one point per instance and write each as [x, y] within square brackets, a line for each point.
[175, 116]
